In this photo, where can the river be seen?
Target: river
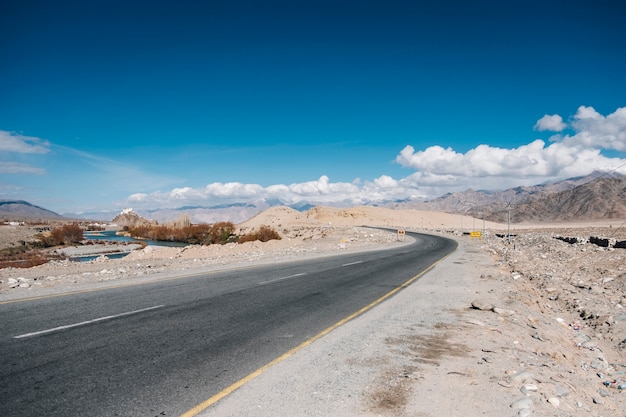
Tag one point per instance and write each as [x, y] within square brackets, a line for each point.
[112, 237]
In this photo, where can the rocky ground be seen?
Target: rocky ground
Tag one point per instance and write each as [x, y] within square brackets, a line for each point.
[565, 305]
[535, 327]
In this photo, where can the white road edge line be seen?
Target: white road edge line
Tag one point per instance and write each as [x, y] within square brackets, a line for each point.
[69, 326]
[282, 279]
[353, 263]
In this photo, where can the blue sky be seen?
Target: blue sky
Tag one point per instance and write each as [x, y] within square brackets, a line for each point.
[146, 104]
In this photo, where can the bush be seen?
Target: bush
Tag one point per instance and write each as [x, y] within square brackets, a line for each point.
[63, 235]
[72, 233]
[264, 234]
[24, 256]
[221, 232]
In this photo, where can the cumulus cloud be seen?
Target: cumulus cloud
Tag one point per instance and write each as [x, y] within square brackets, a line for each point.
[552, 123]
[14, 142]
[438, 170]
[576, 154]
[321, 190]
[593, 130]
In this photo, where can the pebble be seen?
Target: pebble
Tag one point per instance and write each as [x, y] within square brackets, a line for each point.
[528, 388]
[521, 376]
[561, 391]
[523, 403]
[599, 364]
[554, 401]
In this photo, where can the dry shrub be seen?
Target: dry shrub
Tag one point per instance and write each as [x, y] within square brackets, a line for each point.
[264, 234]
[24, 256]
[62, 235]
[206, 234]
[72, 233]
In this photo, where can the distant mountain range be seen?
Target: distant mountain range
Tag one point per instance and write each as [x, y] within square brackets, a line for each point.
[593, 197]
[596, 196]
[23, 209]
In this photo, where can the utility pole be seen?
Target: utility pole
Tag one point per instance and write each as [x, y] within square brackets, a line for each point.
[509, 224]
[483, 213]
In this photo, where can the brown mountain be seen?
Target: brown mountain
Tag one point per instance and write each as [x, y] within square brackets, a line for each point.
[604, 198]
[23, 210]
[592, 197]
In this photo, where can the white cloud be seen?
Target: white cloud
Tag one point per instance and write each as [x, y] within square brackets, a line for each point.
[566, 155]
[19, 168]
[13, 142]
[553, 123]
[482, 161]
[596, 131]
[439, 170]
[215, 193]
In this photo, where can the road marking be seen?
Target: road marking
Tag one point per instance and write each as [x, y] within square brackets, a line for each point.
[353, 263]
[69, 326]
[281, 279]
[243, 381]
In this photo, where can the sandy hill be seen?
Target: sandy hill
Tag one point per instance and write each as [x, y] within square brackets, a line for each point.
[285, 217]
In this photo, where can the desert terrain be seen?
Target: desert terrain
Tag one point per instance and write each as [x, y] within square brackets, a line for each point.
[519, 324]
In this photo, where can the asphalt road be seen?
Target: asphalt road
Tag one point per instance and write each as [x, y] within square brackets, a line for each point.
[160, 349]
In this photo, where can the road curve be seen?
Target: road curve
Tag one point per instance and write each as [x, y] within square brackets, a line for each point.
[161, 349]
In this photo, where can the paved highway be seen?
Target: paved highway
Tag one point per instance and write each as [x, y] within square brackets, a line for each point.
[159, 349]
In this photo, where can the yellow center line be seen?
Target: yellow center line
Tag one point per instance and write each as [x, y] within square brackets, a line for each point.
[229, 390]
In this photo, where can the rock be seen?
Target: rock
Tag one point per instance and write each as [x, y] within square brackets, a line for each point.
[528, 388]
[524, 403]
[554, 401]
[599, 364]
[561, 391]
[521, 376]
[503, 311]
[482, 305]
